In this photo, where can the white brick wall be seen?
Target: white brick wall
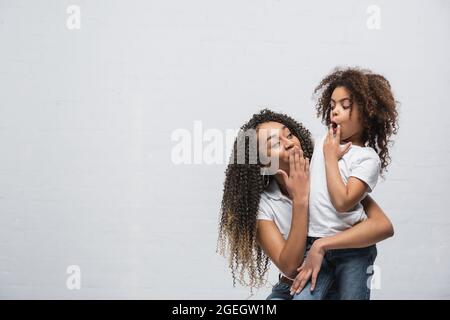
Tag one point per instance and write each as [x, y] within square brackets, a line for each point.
[86, 118]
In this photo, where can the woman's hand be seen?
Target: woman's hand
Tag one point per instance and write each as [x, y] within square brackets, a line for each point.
[309, 269]
[332, 145]
[297, 182]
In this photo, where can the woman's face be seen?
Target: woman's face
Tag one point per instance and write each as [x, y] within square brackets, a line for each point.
[275, 140]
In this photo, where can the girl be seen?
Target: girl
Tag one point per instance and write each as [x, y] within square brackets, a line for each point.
[360, 111]
[264, 217]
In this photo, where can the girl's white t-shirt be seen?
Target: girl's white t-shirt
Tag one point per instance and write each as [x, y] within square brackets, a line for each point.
[324, 220]
[360, 162]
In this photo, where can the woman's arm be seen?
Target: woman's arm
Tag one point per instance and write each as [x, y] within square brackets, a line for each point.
[376, 228]
[368, 232]
[287, 254]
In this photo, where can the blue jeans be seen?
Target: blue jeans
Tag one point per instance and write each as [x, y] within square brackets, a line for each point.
[282, 291]
[346, 270]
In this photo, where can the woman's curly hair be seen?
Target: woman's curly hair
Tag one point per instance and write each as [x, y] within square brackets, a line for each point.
[377, 106]
[243, 186]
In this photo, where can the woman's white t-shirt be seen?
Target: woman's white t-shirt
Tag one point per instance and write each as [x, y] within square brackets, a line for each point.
[275, 206]
[324, 220]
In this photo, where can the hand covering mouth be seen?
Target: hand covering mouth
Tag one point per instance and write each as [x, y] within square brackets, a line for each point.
[334, 125]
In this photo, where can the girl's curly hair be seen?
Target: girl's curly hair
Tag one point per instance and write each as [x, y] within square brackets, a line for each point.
[377, 106]
[243, 186]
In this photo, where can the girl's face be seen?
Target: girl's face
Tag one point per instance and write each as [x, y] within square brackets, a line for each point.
[275, 140]
[341, 104]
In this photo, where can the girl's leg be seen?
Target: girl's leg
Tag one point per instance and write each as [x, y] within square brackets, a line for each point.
[280, 291]
[351, 272]
[333, 292]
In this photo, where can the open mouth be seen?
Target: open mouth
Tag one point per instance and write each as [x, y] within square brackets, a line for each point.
[334, 125]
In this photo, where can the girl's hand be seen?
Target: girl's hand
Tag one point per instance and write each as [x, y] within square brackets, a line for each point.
[331, 147]
[309, 269]
[297, 183]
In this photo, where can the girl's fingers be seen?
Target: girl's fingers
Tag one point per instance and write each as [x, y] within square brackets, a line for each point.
[345, 149]
[338, 133]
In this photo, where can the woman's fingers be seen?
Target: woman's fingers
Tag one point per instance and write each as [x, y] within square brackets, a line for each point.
[296, 158]
[301, 267]
[296, 283]
[283, 175]
[314, 279]
[302, 161]
[307, 166]
[297, 161]
[300, 281]
[304, 281]
[291, 161]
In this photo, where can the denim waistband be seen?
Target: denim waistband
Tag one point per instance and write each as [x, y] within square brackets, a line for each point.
[312, 239]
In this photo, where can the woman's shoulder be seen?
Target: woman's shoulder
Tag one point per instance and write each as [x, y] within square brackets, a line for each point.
[265, 211]
[268, 196]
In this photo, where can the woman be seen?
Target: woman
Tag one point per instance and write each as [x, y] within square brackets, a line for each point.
[264, 216]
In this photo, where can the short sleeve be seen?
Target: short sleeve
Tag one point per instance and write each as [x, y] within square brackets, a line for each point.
[264, 212]
[366, 167]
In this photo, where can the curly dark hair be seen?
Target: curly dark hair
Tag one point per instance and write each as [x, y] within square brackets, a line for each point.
[243, 186]
[376, 103]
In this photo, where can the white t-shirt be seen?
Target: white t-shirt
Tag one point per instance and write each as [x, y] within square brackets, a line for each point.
[360, 162]
[275, 206]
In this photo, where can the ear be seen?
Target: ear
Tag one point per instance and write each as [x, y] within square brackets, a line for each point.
[264, 170]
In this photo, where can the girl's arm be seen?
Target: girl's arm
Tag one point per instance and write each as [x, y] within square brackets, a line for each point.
[288, 254]
[343, 197]
[368, 232]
